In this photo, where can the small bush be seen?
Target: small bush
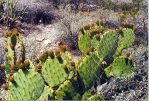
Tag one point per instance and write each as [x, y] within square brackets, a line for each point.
[9, 14]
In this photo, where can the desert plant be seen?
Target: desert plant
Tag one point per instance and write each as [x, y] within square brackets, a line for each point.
[9, 13]
[12, 39]
[88, 70]
[120, 68]
[91, 95]
[50, 68]
[24, 85]
[65, 90]
[126, 39]
[63, 79]
[96, 39]
[108, 47]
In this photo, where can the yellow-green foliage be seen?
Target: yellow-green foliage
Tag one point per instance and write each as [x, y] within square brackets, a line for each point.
[67, 92]
[53, 71]
[84, 42]
[27, 85]
[91, 95]
[121, 68]
[107, 45]
[88, 94]
[88, 35]
[12, 39]
[9, 12]
[88, 70]
[61, 78]
[125, 40]
[47, 94]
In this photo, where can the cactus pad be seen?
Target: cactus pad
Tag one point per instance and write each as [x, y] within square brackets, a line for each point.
[13, 43]
[87, 94]
[96, 97]
[27, 85]
[53, 71]
[126, 40]
[84, 42]
[88, 70]
[87, 38]
[91, 95]
[121, 68]
[67, 92]
[107, 44]
[47, 94]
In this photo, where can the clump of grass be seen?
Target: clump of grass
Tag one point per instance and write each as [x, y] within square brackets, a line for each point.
[9, 13]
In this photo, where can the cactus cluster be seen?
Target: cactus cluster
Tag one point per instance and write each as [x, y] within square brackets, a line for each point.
[109, 47]
[55, 76]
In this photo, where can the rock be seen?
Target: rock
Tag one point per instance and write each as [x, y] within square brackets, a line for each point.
[121, 1]
[87, 7]
[2, 77]
[129, 95]
[2, 50]
[2, 94]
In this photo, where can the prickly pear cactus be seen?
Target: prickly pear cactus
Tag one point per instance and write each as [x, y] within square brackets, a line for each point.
[84, 42]
[13, 39]
[88, 70]
[88, 94]
[91, 95]
[26, 85]
[87, 37]
[107, 45]
[96, 97]
[125, 40]
[47, 94]
[10, 43]
[59, 77]
[53, 70]
[121, 68]
[67, 92]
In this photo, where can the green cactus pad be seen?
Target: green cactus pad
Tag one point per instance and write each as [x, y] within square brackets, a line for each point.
[96, 97]
[126, 40]
[67, 92]
[47, 94]
[14, 48]
[91, 95]
[53, 71]
[67, 57]
[9, 53]
[107, 44]
[88, 69]
[84, 42]
[87, 94]
[121, 68]
[27, 85]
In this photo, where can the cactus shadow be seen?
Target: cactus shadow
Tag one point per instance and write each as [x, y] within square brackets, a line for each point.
[81, 86]
[15, 84]
[60, 60]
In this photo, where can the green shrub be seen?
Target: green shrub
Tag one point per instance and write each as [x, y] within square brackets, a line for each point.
[9, 13]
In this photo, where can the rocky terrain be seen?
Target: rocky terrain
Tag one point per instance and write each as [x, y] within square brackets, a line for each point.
[61, 21]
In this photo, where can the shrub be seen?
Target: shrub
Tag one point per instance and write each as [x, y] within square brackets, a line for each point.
[9, 13]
